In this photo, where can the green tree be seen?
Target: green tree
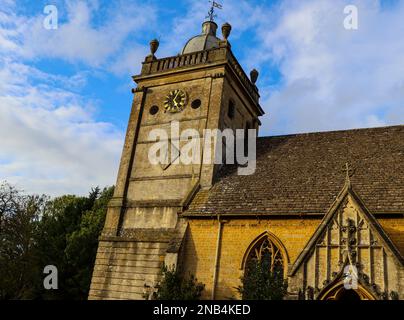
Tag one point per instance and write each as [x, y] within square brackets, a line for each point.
[259, 283]
[175, 287]
[82, 244]
[19, 218]
[36, 232]
[68, 237]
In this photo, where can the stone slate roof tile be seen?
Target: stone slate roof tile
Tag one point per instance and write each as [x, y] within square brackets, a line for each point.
[303, 174]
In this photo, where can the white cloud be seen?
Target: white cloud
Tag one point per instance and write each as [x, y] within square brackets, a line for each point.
[51, 141]
[333, 78]
[50, 138]
[78, 39]
[129, 62]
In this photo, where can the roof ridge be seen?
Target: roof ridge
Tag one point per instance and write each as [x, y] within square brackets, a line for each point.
[332, 131]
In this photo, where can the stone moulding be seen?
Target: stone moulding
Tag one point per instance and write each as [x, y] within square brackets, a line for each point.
[201, 58]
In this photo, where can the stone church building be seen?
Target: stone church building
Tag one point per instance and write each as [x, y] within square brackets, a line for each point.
[316, 203]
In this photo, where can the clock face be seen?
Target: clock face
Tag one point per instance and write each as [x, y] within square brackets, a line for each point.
[175, 101]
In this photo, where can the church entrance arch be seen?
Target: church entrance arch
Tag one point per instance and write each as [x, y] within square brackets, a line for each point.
[338, 292]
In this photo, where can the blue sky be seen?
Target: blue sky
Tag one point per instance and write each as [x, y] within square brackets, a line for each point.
[65, 94]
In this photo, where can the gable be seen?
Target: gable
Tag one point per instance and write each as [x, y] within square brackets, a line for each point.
[349, 235]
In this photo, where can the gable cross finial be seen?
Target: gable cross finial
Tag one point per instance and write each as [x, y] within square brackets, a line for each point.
[211, 14]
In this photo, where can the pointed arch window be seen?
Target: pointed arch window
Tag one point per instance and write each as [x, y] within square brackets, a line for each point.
[268, 253]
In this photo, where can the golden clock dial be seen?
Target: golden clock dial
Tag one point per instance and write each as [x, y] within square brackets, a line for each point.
[175, 101]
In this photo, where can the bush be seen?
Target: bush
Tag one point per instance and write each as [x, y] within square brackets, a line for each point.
[259, 283]
[174, 287]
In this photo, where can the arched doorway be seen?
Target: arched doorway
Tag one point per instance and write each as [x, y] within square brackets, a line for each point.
[338, 292]
[348, 295]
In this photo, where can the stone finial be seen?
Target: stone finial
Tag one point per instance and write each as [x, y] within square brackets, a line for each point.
[154, 45]
[254, 76]
[226, 30]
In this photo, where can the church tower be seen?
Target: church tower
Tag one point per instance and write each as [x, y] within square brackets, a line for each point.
[202, 88]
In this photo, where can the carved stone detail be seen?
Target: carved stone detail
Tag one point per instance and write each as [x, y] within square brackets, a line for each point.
[349, 238]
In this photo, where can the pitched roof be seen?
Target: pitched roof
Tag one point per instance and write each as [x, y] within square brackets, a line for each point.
[303, 174]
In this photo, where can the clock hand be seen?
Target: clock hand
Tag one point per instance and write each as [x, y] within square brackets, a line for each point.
[175, 101]
[175, 98]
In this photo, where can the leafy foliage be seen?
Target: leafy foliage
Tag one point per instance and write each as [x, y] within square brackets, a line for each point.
[36, 231]
[175, 287]
[259, 283]
[19, 218]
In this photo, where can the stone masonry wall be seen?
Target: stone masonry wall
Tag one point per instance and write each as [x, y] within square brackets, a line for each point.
[123, 268]
[237, 235]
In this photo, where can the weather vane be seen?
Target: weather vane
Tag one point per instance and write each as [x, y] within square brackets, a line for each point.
[211, 14]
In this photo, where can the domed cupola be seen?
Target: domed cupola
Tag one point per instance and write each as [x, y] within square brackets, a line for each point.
[205, 41]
